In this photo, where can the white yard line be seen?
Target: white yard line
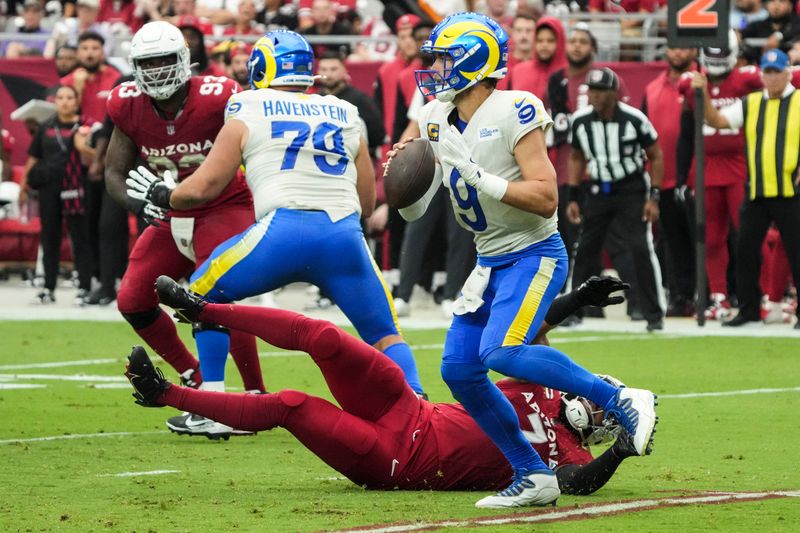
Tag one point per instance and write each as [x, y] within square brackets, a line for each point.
[136, 474]
[742, 392]
[59, 364]
[584, 512]
[81, 436]
[12, 386]
[64, 377]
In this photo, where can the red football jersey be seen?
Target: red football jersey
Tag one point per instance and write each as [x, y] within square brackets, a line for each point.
[181, 144]
[724, 149]
[457, 455]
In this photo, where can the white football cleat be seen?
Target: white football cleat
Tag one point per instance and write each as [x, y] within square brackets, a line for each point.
[635, 410]
[535, 489]
[401, 307]
[191, 424]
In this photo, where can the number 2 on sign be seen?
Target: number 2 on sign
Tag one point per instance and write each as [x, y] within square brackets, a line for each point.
[696, 14]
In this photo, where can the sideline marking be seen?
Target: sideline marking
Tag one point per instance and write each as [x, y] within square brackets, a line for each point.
[134, 474]
[81, 436]
[64, 377]
[727, 393]
[583, 512]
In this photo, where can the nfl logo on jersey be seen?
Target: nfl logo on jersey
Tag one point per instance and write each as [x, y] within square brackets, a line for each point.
[170, 129]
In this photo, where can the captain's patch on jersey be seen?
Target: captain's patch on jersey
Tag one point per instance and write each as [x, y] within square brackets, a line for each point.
[433, 132]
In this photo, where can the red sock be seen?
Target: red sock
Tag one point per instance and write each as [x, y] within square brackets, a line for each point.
[245, 354]
[162, 337]
[252, 412]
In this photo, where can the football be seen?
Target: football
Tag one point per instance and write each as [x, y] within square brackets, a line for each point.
[409, 174]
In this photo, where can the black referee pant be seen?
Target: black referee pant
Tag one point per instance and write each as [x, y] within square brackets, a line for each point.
[625, 208]
[677, 231]
[755, 217]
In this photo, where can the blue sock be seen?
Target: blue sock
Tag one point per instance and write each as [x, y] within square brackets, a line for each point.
[212, 350]
[401, 354]
[548, 367]
[492, 411]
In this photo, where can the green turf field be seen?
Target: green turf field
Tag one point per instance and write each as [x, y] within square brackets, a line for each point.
[740, 442]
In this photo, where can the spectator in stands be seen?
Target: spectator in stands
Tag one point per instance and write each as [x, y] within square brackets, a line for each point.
[794, 52]
[192, 29]
[630, 28]
[31, 24]
[611, 138]
[663, 105]
[66, 59]
[499, 11]
[744, 12]
[548, 57]
[520, 46]
[278, 14]
[6, 148]
[771, 120]
[780, 29]
[55, 171]
[122, 11]
[238, 70]
[67, 30]
[245, 23]
[325, 23]
[334, 80]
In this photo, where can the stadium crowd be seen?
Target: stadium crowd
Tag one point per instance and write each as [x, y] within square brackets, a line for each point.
[639, 215]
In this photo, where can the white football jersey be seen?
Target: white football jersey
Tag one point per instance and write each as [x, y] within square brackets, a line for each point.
[492, 133]
[300, 152]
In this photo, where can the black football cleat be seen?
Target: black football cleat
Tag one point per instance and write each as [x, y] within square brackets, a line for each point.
[187, 306]
[148, 381]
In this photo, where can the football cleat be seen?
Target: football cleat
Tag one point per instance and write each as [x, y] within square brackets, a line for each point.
[187, 306]
[537, 488]
[148, 381]
[190, 378]
[402, 308]
[635, 410]
[773, 313]
[191, 424]
[720, 308]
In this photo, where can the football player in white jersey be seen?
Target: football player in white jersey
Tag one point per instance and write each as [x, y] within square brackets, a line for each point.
[490, 145]
[308, 167]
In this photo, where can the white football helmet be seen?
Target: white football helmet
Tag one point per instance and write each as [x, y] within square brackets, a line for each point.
[160, 39]
[587, 419]
[720, 61]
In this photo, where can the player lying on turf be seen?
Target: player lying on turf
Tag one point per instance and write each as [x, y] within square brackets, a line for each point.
[383, 436]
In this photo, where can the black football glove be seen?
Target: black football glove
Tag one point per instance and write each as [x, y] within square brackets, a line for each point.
[151, 214]
[595, 291]
[144, 185]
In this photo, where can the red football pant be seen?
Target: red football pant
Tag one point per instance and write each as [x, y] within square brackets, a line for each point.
[156, 254]
[775, 271]
[722, 209]
[364, 439]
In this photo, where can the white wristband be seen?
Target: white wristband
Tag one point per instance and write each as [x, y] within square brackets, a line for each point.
[492, 185]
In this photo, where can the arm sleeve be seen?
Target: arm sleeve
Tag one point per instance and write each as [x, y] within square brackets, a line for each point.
[647, 133]
[734, 113]
[581, 480]
[685, 148]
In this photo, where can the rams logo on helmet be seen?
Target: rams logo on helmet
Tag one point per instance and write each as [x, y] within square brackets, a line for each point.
[281, 58]
[261, 65]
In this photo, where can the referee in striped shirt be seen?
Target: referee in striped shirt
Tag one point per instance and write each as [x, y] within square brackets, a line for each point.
[771, 122]
[611, 138]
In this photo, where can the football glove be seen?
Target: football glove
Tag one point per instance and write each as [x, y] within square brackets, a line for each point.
[453, 151]
[151, 214]
[144, 185]
[595, 291]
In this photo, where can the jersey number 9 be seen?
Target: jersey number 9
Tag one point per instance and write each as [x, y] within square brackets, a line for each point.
[319, 140]
[470, 203]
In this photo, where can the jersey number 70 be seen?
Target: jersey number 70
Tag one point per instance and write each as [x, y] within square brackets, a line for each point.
[319, 140]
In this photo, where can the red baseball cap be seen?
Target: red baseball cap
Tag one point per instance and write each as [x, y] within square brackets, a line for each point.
[405, 21]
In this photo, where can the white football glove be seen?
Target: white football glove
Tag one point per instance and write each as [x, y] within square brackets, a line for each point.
[146, 186]
[453, 150]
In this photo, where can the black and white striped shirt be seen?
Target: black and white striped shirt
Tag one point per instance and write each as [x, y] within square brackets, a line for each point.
[614, 148]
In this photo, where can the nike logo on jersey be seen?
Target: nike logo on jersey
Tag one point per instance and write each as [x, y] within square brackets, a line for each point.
[395, 462]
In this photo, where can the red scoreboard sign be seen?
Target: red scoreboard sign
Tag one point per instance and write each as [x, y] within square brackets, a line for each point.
[694, 23]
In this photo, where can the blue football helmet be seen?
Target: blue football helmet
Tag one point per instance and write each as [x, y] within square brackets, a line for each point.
[471, 46]
[281, 58]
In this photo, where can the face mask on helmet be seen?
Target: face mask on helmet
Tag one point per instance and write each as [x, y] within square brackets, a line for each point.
[720, 61]
[587, 419]
[160, 59]
[468, 48]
